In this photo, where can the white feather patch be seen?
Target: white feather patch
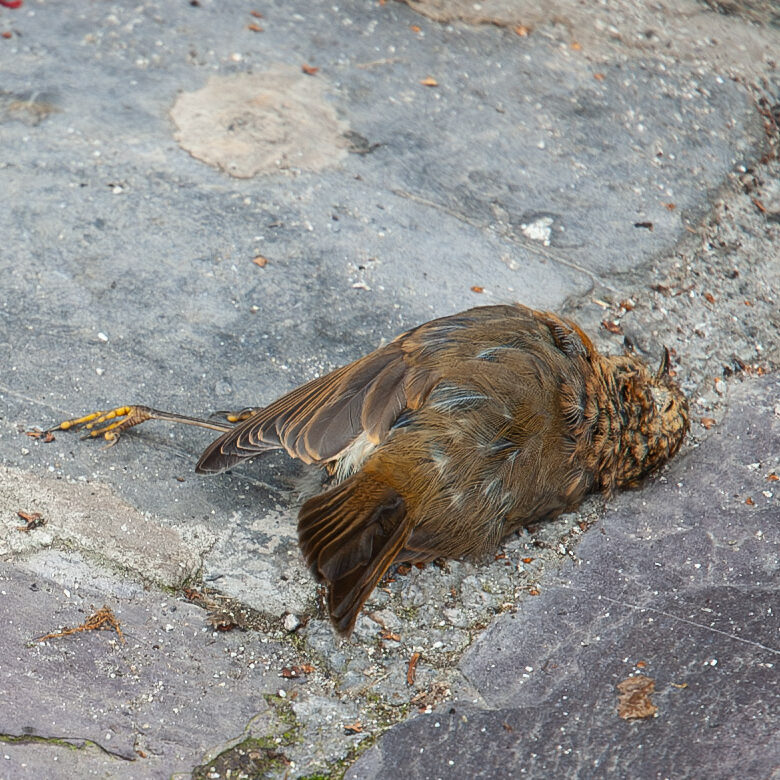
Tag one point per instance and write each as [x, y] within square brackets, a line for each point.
[351, 458]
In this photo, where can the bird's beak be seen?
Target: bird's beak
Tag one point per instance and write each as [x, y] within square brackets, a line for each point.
[663, 369]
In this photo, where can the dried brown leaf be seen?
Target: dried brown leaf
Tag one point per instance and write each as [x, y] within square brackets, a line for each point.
[411, 670]
[193, 595]
[33, 520]
[634, 697]
[102, 620]
[222, 621]
[294, 672]
[47, 436]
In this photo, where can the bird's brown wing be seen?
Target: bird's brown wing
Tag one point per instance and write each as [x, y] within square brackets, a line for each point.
[317, 421]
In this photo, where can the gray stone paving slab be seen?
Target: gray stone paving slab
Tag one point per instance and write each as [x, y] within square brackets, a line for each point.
[153, 698]
[127, 275]
[679, 584]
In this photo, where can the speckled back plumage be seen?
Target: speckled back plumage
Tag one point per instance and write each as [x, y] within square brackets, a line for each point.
[455, 434]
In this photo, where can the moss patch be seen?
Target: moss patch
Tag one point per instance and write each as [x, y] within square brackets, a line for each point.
[252, 758]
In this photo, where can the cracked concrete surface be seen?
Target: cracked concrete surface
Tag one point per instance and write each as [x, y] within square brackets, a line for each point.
[586, 166]
[133, 698]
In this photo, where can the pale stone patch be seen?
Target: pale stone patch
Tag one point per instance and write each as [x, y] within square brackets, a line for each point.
[91, 518]
[257, 561]
[254, 123]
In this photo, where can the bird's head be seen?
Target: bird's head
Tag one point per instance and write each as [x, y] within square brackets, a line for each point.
[657, 418]
[670, 406]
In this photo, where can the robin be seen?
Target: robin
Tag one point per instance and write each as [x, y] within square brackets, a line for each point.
[453, 435]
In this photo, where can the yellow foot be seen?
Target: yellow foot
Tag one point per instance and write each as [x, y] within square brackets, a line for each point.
[124, 417]
[237, 417]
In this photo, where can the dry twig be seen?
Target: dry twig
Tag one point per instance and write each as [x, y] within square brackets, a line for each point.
[102, 620]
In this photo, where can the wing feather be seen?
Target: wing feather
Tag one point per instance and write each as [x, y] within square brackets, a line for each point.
[320, 419]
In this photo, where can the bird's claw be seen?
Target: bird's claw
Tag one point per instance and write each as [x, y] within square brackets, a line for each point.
[235, 417]
[100, 423]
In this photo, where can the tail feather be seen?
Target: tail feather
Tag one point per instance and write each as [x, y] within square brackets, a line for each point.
[214, 461]
[349, 537]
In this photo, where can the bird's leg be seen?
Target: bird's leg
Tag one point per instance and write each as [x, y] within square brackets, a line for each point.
[125, 417]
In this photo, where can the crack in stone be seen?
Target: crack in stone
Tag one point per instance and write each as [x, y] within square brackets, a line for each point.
[74, 743]
[33, 401]
[655, 611]
[507, 235]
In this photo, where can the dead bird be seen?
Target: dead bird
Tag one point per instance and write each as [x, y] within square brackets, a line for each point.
[453, 435]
